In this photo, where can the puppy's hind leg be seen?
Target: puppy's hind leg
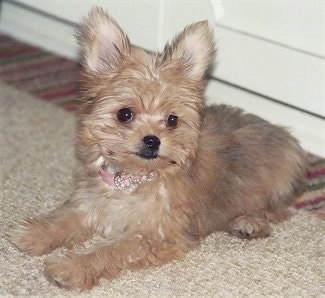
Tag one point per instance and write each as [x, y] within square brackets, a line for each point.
[39, 236]
[248, 227]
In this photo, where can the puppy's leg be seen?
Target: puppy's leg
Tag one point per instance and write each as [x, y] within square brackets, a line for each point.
[279, 214]
[84, 271]
[249, 227]
[39, 236]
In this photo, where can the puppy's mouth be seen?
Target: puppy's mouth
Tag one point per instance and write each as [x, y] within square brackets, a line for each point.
[147, 154]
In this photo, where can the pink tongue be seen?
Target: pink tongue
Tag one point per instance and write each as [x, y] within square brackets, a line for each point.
[110, 178]
[107, 177]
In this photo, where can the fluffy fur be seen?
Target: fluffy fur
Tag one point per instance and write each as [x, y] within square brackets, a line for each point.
[217, 169]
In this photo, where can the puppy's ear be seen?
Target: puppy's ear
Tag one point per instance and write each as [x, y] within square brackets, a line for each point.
[103, 43]
[194, 49]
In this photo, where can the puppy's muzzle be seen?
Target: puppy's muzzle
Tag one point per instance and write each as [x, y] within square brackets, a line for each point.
[150, 147]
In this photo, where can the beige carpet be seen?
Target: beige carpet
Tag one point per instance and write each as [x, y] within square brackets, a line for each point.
[37, 163]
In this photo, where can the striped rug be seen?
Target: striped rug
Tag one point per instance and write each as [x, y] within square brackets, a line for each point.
[30, 69]
[314, 197]
[53, 78]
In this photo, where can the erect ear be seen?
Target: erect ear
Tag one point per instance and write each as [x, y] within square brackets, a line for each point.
[103, 43]
[194, 49]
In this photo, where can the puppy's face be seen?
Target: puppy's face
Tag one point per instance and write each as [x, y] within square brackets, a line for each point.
[141, 111]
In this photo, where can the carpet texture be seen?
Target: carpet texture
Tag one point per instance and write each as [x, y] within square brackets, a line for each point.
[37, 163]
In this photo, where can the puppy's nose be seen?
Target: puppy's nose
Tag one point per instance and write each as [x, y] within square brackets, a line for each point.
[151, 142]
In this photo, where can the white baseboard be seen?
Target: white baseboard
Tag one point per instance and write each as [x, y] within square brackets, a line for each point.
[287, 75]
[38, 30]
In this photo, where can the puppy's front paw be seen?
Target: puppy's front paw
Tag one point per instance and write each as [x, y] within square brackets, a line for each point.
[32, 237]
[70, 272]
[249, 227]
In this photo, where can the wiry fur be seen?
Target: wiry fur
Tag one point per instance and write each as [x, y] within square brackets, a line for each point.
[219, 169]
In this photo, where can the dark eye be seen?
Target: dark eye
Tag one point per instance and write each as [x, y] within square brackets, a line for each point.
[171, 121]
[125, 114]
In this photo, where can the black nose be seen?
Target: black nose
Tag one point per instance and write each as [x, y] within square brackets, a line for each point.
[151, 142]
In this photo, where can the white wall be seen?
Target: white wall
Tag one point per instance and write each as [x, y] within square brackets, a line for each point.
[297, 24]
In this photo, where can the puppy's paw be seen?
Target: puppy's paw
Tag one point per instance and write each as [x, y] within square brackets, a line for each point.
[31, 237]
[249, 227]
[70, 272]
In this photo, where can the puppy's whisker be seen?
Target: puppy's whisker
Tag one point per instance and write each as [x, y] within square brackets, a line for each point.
[128, 152]
[110, 152]
[169, 160]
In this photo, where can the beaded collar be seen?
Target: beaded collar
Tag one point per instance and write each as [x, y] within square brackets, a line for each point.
[122, 181]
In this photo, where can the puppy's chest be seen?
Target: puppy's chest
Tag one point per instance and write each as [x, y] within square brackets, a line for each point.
[123, 213]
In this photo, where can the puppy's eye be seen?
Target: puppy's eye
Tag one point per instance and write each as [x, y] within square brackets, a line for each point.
[124, 115]
[171, 121]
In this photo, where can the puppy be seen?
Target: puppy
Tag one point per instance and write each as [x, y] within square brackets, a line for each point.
[159, 169]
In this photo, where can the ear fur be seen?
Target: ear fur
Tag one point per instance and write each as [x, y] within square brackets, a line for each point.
[103, 43]
[194, 48]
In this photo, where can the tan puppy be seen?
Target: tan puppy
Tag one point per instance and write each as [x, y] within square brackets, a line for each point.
[160, 170]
